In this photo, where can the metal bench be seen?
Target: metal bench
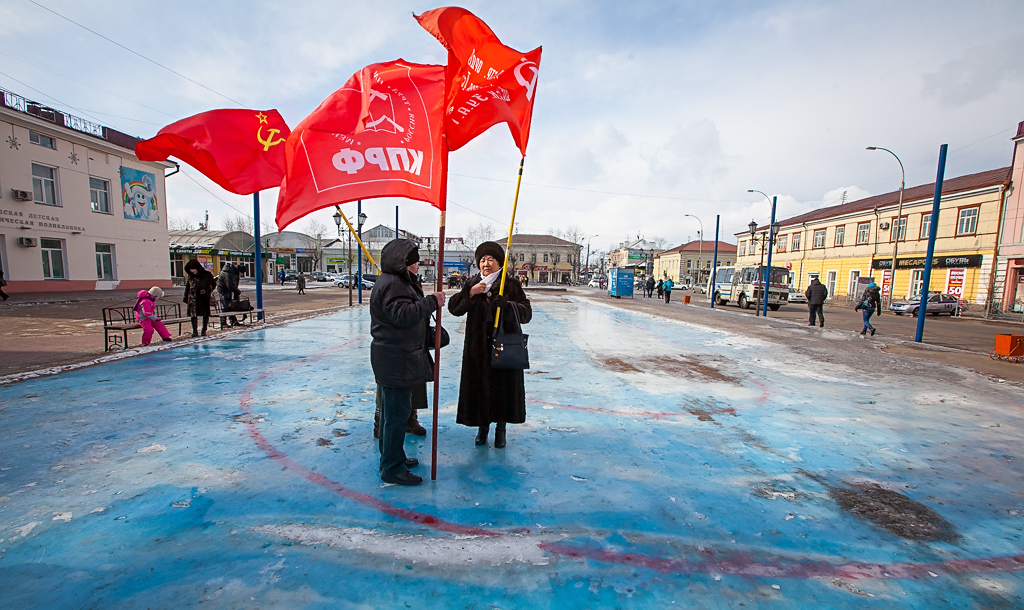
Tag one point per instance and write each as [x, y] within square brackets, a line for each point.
[117, 321]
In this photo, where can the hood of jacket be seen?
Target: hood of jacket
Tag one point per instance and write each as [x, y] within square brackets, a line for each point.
[195, 264]
[143, 294]
[393, 255]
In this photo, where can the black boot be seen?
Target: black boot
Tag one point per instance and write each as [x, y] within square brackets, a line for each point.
[376, 422]
[206, 322]
[412, 426]
[499, 436]
[195, 327]
[481, 435]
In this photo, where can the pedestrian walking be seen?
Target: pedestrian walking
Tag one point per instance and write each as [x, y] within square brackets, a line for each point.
[870, 303]
[650, 286]
[661, 289]
[3, 283]
[145, 313]
[667, 287]
[227, 291]
[816, 294]
[199, 287]
[398, 353]
[488, 395]
[300, 283]
[280, 276]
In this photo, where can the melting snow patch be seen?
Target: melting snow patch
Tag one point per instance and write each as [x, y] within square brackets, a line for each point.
[431, 550]
[65, 517]
[154, 448]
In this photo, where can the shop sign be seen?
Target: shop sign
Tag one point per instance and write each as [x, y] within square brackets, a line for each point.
[965, 261]
[637, 254]
[955, 282]
[331, 260]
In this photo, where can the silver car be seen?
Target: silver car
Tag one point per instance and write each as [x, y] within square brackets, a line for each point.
[795, 296]
[937, 304]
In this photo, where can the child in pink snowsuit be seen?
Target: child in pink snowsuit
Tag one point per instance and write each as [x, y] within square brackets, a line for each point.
[145, 313]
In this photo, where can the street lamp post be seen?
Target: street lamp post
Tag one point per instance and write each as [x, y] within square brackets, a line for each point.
[700, 246]
[772, 230]
[360, 220]
[348, 256]
[899, 219]
[588, 251]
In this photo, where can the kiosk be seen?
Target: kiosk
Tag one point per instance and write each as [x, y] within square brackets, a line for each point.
[620, 282]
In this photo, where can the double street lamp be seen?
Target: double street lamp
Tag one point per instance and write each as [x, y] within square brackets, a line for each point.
[900, 229]
[348, 255]
[773, 230]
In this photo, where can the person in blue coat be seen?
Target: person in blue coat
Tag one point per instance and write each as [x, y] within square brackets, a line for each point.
[667, 287]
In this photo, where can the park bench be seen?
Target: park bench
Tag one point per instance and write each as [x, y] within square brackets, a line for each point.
[117, 321]
[216, 314]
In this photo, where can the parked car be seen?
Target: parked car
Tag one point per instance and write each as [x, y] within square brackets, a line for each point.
[795, 296]
[594, 283]
[319, 276]
[342, 281]
[937, 304]
[290, 275]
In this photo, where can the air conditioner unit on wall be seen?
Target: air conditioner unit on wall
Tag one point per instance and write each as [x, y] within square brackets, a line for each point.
[883, 225]
[21, 195]
[28, 242]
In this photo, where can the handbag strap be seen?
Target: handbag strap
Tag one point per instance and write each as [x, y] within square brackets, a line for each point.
[501, 327]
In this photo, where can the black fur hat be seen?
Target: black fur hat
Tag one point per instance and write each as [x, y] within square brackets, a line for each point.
[492, 248]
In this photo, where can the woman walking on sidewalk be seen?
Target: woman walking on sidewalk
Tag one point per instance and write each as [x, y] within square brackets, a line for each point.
[869, 304]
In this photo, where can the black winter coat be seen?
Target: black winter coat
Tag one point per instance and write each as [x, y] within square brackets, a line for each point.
[198, 289]
[227, 281]
[816, 293]
[398, 322]
[489, 395]
[871, 299]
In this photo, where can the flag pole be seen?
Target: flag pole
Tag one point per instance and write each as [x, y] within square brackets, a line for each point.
[438, 271]
[352, 232]
[508, 244]
[259, 254]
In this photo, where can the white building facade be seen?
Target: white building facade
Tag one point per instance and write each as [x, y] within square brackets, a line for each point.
[78, 210]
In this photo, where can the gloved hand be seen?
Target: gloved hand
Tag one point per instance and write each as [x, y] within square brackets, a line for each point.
[501, 301]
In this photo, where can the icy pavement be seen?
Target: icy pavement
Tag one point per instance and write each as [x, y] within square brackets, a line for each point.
[662, 463]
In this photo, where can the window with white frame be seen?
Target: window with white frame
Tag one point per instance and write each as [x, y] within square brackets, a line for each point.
[916, 282]
[926, 225]
[899, 229]
[840, 235]
[743, 248]
[796, 242]
[41, 140]
[967, 224]
[863, 233]
[44, 184]
[782, 243]
[545, 257]
[819, 239]
[104, 261]
[522, 257]
[99, 195]
[854, 279]
[830, 284]
[53, 258]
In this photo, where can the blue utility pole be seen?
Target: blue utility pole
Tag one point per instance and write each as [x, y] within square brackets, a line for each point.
[714, 264]
[359, 271]
[768, 271]
[922, 310]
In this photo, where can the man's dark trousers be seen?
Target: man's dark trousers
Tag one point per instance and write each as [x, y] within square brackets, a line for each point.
[817, 311]
[396, 406]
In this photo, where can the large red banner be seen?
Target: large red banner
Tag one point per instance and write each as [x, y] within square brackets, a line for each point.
[489, 82]
[379, 135]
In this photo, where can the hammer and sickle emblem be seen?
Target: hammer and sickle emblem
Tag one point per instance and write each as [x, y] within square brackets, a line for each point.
[269, 140]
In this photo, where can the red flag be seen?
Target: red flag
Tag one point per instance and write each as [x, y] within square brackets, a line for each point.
[489, 82]
[380, 135]
[238, 149]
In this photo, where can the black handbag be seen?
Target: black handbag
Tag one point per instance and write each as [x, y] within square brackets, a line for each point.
[432, 332]
[509, 350]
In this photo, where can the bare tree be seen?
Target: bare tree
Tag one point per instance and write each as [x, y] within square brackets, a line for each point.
[315, 238]
[659, 243]
[240, 222]
[180, 222]
[479, 234]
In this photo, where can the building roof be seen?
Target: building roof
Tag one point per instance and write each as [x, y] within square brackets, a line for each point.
[701, 246]
[540, 240]
[953, 185]
[62, 119]
[211, 240]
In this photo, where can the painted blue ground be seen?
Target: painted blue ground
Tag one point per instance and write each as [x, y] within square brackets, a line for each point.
[662, 464]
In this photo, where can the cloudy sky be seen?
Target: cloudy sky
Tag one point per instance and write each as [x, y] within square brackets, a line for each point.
[646, 110]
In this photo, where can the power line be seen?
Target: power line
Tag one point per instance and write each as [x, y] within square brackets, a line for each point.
[114, 42]
[569, 188]
[214, 195]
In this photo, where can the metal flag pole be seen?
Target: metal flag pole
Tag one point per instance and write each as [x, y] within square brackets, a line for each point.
[508, 244]
[438, 269]
[259, 254]
[922, 309]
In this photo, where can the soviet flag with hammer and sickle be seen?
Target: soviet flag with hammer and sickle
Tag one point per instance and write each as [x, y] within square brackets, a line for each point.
[241, 150]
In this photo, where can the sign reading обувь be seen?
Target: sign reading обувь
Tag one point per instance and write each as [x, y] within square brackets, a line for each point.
[962, 261]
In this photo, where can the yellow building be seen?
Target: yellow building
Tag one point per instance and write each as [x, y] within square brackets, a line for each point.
[690, 263]
[544, 259]
[843, 243]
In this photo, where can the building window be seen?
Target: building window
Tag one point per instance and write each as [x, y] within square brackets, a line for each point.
[44, 184]
[819, 239]
[926, 225]
[916, 282]
[863, 233]
[782, 243]
[99, 194]
[40, 139]
[796, 242]
[854, 280]
[104, 261]
[840, 235]
[967, 224]
[545, 257]
[689, 264]
[743, 248]
[899, 229]
[522, 257]
[830, 284]
[53, 258]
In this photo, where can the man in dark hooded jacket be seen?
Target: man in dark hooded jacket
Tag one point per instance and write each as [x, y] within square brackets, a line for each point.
[816, 294]
[398, 353]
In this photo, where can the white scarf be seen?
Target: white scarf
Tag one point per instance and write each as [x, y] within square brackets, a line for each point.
[490, 279]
